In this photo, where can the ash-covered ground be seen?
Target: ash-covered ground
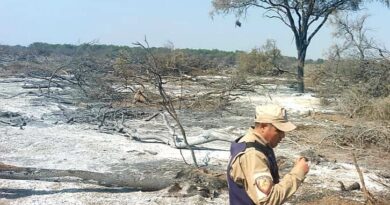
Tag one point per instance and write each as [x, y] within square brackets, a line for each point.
[36, 131]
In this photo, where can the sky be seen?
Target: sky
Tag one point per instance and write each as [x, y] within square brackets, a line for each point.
[185, 23]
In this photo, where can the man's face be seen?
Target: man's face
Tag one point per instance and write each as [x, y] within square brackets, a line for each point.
[273, 135]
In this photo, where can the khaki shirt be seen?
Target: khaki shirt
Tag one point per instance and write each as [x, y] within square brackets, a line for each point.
[251, 164]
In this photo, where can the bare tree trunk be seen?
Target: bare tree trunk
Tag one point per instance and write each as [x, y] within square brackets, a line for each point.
[301, 64]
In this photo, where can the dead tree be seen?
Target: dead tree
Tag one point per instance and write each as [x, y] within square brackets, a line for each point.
[175, 140]
[160, 175]
[156, 80]
[304, 18]
[129, 180]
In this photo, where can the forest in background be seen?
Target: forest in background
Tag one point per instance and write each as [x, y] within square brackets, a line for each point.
[189, 60]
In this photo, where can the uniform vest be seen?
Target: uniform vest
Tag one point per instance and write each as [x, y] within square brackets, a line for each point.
[237, 193]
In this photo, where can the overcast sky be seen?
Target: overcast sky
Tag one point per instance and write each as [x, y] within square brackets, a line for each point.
[186, 23]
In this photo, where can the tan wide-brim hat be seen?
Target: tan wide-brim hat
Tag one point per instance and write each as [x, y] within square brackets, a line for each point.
[275, 115]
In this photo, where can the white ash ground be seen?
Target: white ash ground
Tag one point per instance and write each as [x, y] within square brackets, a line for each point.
[51, 144]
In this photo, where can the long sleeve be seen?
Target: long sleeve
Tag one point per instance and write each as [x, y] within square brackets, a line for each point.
[252, 165]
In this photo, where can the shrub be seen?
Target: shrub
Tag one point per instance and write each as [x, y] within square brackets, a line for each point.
[365, 135]
[356, 103]
[360, 86]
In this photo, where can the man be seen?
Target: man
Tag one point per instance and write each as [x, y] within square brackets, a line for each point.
[252, 172]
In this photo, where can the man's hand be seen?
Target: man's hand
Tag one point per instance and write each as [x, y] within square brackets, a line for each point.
[302, 164]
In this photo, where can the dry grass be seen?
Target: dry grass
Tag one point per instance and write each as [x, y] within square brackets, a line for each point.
[315, 196]
[363, 136]
[332, 200]
[377, 109]
[335, 200]
[356, 103]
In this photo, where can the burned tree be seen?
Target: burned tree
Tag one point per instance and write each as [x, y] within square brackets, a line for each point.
[304, 18]
[154, 75]
[151, 73]
[353, 32]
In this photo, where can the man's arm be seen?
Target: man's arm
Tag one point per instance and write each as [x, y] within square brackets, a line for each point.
[258, 180]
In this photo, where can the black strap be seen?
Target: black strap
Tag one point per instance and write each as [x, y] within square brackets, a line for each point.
[269, 153]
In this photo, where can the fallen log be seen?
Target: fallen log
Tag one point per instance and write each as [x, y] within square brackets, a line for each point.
[136, 181]
[144, 176]
[175, 140]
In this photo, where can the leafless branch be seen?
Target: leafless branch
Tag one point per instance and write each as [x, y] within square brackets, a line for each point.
[367, 195]
[166, 100]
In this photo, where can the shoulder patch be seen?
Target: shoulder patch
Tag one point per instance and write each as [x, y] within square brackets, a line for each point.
[264, 184]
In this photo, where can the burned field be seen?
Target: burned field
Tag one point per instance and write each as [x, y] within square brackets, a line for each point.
[55, 148]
